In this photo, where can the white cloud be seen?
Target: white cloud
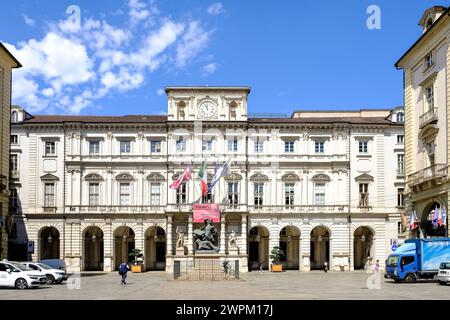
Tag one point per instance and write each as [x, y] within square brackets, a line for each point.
[160, 92]
[138, 10]
[215, 9]
[72, 65]
[209, 68]
[194, 40]
[28, 21]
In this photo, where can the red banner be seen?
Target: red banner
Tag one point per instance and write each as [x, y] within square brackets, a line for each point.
[206, 211]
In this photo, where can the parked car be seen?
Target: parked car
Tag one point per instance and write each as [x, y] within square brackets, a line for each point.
[52, 275]
[443, 275]
[17, 275]
[58, 264]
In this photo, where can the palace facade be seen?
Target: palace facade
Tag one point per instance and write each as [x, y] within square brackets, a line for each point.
[322, 185]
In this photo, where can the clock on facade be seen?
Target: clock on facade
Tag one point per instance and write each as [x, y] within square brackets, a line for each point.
[207, 109]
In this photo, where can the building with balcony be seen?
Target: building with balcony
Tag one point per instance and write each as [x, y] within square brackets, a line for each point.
[322, 185]
[7, 63]
[427, 105]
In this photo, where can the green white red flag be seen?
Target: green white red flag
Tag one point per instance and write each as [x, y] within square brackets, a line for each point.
[203, 175]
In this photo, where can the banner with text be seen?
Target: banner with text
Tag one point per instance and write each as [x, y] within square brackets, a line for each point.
[206, 211]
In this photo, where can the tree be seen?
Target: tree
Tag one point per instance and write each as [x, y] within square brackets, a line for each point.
[136, 254]
[276, 254]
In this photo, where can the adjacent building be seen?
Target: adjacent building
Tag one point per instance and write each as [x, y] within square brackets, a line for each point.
[427, 106]
[325, 186]
[7, 63]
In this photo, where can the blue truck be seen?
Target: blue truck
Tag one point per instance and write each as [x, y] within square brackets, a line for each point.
[417, 259]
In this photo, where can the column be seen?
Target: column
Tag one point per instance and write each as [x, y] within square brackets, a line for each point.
[169, 235]
[305, 244]
[108, 245]
[190, 235]
[243, 248]
[222, 234]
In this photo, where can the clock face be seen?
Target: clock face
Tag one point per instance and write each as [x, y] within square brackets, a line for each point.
[207, 109]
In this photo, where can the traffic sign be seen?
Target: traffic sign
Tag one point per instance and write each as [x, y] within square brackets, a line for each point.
[394, 247]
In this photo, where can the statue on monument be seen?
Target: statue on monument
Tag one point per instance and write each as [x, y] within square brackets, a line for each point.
[205, 238]
[181, 237]
[232, 240]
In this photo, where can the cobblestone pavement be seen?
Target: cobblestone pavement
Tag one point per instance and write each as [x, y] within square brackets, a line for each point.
[252, 286]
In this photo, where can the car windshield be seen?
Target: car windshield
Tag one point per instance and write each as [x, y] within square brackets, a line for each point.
[392, 261]
[445, 265]
[44, 266]
[22, 267]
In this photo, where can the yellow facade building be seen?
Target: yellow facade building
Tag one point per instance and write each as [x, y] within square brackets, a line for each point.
[7, 63]
[427, 106]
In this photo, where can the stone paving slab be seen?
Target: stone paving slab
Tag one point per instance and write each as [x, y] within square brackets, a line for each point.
[252, 286]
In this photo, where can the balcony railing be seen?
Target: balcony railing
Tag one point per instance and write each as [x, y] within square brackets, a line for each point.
[437, 171]
[49, 209]
[400, 172]
[116, 209]
[297, 208]
[428, 117]
[363, 200]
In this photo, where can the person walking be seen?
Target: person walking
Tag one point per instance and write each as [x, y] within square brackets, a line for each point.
[261, 266]
[123, 269]
[377, 266]
[325, 267]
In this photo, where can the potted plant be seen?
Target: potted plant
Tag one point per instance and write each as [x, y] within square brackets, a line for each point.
[276, 254]
[138, 260]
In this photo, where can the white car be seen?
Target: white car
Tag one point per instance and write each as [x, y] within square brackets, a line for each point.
[17, 275]
[52, 275]
[443, 275]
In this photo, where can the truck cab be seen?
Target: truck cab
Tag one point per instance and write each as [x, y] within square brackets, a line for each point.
[402, 267]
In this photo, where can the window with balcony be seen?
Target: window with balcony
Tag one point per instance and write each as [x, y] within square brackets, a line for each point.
[429, 97]
[14, 163]
[319, 147]
[94, 194]
[49, 195]
[400, 164]
[155, 146]
[14, 139]
[289, 146]
[181, 194]
[289, 195]
[319, 193]
[233, 193]
[430, 149]
[259, 146]
[207, 145]
[400, 197]
[233, 145]
[258, 195]
[125, 147]
[94, 148]
[363, 147]
[50, 148]
[155, 194]
[181, 145]
[400, 139]
[363, 195]
[125, 194]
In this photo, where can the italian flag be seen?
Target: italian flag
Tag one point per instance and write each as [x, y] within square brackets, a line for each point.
[203, 179]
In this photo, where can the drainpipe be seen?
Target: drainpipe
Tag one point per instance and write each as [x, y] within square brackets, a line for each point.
[349, 217]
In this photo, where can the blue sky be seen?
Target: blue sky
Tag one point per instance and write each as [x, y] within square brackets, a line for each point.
[294, 54]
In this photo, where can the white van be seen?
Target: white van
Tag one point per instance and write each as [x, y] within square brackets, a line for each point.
[443, 275]
[17, 275]
[52, 275]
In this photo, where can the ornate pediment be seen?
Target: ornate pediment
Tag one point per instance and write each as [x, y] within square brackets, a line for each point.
[93, 177]
[233, 177]
[364, 177]
[155, 176]
[290, 177]
[124, 177]
[49, 177]
[321, 178]
[258, 177]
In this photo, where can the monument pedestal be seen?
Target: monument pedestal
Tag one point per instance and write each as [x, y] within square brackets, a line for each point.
[233, 251]
[180, 251]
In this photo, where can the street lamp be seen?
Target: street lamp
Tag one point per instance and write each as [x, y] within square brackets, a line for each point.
[363, 238]
[50, 238]
[319, 238]
[258, 238]
[94, 238]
